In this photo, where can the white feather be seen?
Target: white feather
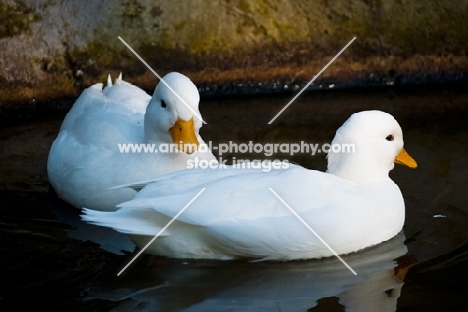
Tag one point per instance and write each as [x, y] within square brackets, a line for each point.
[238, 216]
[85, 160]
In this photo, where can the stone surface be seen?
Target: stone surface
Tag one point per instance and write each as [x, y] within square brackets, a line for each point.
[54, 48]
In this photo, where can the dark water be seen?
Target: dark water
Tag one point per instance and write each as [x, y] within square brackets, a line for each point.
[49, 258]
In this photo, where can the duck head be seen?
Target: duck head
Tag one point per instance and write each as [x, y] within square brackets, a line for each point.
[172, 115]
[366, 147]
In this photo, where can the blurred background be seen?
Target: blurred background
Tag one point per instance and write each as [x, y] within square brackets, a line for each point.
[53, 48]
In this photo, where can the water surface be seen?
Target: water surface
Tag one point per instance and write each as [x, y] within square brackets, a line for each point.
[51, 259]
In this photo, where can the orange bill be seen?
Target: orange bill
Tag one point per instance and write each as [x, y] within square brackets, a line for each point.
[403, 158]
[183, 135]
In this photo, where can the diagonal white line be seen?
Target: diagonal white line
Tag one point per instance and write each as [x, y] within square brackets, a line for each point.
[313, 232]
[162, 230]
[313, 79]
[162, 80]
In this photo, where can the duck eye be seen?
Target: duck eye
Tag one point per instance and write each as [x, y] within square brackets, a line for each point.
[163, 104]
[389, 137]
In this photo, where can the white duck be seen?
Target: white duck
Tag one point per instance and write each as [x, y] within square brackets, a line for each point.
[353, 206]
[85, 159]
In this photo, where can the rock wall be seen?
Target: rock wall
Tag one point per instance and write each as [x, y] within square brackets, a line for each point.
[51, 48]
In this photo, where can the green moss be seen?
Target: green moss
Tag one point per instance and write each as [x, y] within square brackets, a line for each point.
[180, 25]
[94, 58]
[282, 26]
[133, 11]
[403, 28]
[244, 6]
[16, 18]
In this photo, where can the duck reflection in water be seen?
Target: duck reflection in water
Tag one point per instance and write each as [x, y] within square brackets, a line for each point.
[200, 285]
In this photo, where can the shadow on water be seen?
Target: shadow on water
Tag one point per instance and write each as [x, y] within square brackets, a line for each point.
[49, 258]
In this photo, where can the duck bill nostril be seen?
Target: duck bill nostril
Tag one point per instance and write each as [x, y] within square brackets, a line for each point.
[183, 135]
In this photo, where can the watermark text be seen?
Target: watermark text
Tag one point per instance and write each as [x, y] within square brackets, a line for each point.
[267, 149]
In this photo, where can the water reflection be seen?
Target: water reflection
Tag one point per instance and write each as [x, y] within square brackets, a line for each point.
[263, 286]
[108, 239]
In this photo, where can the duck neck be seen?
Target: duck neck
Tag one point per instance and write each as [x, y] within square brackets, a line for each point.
[355, 168]
[153, 126]
[151, 135]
